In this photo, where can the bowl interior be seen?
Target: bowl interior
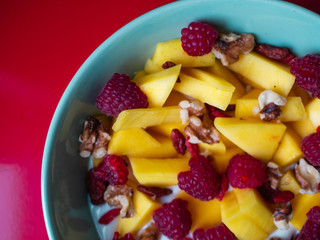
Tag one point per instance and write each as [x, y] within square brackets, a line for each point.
[64, 197]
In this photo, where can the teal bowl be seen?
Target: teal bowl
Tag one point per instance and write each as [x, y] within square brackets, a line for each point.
[64, 198]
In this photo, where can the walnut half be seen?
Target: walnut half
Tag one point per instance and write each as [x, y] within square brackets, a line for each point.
[308, 177]
[282, 215]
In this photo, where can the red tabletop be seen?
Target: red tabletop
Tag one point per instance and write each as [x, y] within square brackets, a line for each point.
[42, 45]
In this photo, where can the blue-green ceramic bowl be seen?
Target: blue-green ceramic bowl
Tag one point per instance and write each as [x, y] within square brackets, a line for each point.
[64, 199]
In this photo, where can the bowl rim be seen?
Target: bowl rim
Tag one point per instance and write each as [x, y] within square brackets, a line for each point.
[63, 102]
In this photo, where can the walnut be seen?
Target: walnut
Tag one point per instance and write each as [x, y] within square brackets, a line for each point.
[270, 103]
[282, 216]
[189, 108]
[274, 175]
[200, 132]
[94, 139]
[120, 195]
[150, 233]
[308, 177]
[228, 47]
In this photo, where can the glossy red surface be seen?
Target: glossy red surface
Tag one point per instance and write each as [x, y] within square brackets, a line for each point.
[42, 45]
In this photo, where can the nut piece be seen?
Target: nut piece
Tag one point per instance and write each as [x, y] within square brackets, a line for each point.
[150, 233]
[270, 103]
[228, 47]
[189, 108]
[154, 192]
[308, 177]
[199, 132]
[94, 139]
[120, 196]
[274, 175]
[282, 216]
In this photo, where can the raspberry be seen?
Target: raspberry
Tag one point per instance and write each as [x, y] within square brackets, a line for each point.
[215, 112]
[224, 187]
[198, 39]
[219, 232]
[310, 147]
[202, 181]
[120, 94]
[173, 219]
[244, 171]
[311, 228]
[272, 196]
[113, 169]
[193, 148]
[95, 187]
[307, 72]
[178, 141]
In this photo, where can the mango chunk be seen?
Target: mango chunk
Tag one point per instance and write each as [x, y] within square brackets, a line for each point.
[239, 223]
[303, 127]
[172, 51]
[158, 172]
[313, 110]
[146, 117]
[265, 73]
[216, 148]
[257, 138]
[247, 108]
[175, 98]
[299, 92]
[253, 94]
[157, 86]
[151, 67]
[289, 150]
[144, 208]
[301, 205]
[219, 70]
[252, 205]
[166, 129]
[205, 87]
[205, 214]
[221, 161]
[288, 182]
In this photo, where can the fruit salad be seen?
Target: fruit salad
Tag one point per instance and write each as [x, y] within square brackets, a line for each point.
[216, 138]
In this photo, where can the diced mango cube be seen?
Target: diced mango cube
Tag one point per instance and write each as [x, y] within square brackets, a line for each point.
[299, 92]
[151, 67]
[247, 108]
[144, 208]
[205, 214]
[303, 127]
[265, 73]
[166, 129]
[258, 138]
[289, 150]
[146, 117]
[221, 161]
[157, 86]
[288, 182]
[313, 110]
[253, 94]
[158, 172]
[301, 205]
[172, 51]
[216, 148]
[175, 98]
[206, 88]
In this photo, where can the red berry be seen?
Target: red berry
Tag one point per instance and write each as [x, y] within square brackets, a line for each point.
[272, 196]
[281, 54]
[109, 216]
[127, 236]
[113, 169]
[310, 147]
[202, 181]
[178, 141]
[215, 112]
[224, 187]
[311, 228]
[245, 171]
[193, 148]
[95, 187]
[307, 72]
[173, 219]
[198, 39]
[120, 94]
[219, 232]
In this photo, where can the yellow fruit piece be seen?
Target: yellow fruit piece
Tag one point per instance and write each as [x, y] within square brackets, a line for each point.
[144, 208]
[240, 224]
[172, 51]
[253, 94]
[257, 138]
[216, 148]
[265, 73]
[303, 127]
[252, 205]
[301, 205]
[299, 92]
[157, 86]
[151, 67]
[288, 182]
[146, 117]
[132, 141]
[293, 110]
[219, 70]
[175, 98]
[221, 161]
[289, 150]
[227, 142]
[158, 172]
[139, 74]
[313, 110]
[166, 129]
[205, 214]
[206, 88]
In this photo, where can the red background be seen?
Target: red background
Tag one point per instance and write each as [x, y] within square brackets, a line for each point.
[42, 45]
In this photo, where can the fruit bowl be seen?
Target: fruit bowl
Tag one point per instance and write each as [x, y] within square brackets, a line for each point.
[64, 196]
